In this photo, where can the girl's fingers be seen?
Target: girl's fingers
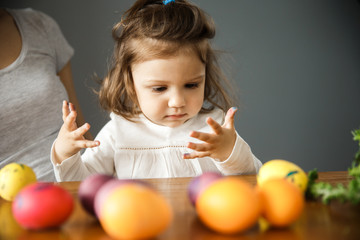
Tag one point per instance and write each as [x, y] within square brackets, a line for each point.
[195, 155]
[214, 125]
[200, 147]
[81, 130]
[65, 110]
[70, 120]
[229, 118]
[205, 137]
[87, 144]
[72, 107]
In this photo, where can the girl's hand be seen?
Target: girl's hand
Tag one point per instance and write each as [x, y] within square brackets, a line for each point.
[217, 145]
[71, 139]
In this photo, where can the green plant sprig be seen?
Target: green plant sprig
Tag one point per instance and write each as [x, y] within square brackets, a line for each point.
[326, 192]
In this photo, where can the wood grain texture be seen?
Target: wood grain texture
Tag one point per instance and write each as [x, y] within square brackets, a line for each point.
[318, 221]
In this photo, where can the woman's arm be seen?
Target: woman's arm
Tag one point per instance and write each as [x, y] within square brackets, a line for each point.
[65, 75]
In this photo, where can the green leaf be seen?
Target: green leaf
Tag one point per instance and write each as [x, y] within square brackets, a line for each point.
[356, 135]
[326, 192]
[312, 177]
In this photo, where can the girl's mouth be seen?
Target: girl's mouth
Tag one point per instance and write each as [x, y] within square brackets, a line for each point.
[176, 116]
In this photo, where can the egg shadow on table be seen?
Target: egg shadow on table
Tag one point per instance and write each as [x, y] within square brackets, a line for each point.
[279, 234]
[199, 231]
[54, 233]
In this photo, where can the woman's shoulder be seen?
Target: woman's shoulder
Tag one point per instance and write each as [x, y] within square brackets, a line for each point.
[36, 19]
[31, 15]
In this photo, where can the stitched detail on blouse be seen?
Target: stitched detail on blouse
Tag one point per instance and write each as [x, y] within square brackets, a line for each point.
[149, 148]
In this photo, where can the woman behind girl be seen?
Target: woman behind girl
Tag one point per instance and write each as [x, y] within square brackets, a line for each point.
[167, 102]
[35, 75]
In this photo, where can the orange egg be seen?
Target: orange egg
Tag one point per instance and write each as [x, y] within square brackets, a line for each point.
[230, 205]
[282, 202]
[134, 211]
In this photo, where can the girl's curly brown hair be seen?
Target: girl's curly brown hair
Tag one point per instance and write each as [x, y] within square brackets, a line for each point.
[150, 29]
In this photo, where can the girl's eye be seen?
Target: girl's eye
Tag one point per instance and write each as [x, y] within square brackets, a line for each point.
[159, 89]
[192, 85]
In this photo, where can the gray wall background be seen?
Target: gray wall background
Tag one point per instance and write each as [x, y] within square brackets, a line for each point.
[296, 63]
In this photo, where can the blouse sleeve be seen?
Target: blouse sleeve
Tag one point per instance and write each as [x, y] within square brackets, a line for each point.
[94, 160]
[240, 161]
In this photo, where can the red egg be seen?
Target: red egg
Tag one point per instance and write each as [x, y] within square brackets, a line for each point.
[199, 183]
[88, 189]
[42, 205]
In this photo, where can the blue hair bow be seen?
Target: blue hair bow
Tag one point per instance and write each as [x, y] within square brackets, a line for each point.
[167, 1]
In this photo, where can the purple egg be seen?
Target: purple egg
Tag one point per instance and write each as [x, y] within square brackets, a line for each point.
[88, 189]
[200, 183]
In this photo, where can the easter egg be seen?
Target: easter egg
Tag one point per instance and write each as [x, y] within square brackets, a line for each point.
[200, 183]
[107, 188]
[9, 228]
[282, 202]
[278, 168]
[229, 205]
[42, 205]
[134, 211]
[88, 189]
[14, 177]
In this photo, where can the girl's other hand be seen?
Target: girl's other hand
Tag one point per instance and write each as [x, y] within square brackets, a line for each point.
[71, 139]
[218, 144]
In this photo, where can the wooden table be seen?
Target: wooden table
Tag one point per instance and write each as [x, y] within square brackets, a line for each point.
[318, 221]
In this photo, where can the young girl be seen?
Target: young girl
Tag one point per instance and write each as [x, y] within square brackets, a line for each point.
[167, 104]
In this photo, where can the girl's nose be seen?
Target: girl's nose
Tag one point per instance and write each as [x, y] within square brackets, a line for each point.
[176, 100]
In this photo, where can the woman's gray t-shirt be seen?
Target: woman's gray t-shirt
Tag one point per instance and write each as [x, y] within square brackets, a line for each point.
[31, 93]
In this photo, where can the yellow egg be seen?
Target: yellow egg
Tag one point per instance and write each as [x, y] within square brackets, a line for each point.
[14, 177]
[278, 168]
[10, 229]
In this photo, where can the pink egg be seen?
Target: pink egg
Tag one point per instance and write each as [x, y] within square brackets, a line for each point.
[88, 189]
[42, 205]
[199, 183]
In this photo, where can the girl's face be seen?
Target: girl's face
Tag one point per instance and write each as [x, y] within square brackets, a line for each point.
[170, 91]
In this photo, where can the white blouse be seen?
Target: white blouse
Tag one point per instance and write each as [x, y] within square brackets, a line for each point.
[143, 149]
